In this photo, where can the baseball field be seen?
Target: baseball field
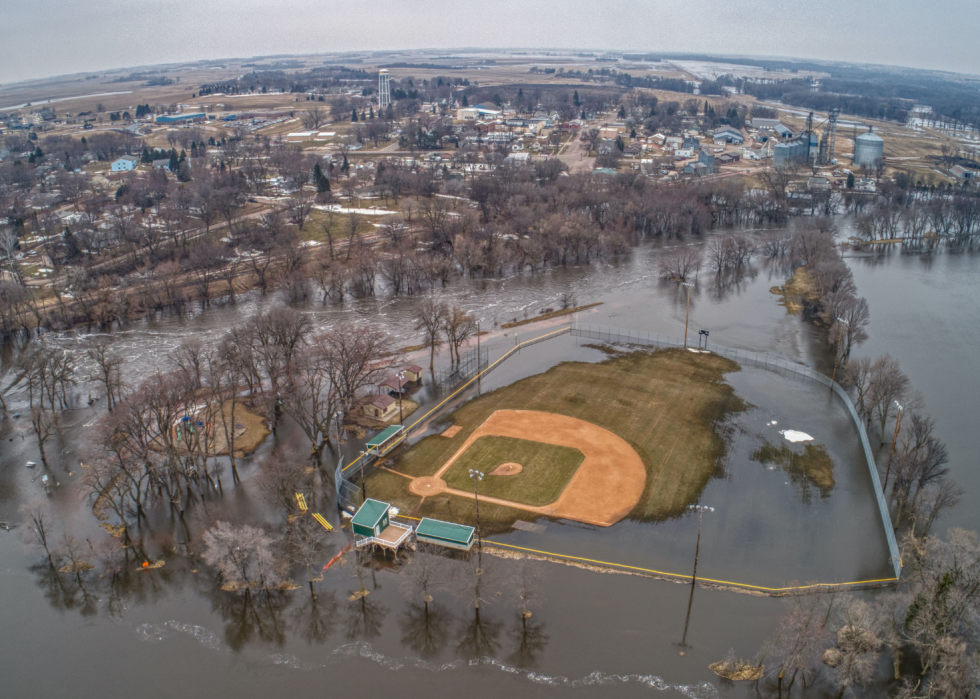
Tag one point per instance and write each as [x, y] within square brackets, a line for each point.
[638, 435]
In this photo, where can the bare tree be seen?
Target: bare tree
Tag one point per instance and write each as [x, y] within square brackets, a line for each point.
[106, 370]
[590, 137]
[244, 557]
[430, 319]
[358, 357]
[424, 575]
[314, 118]
[680, 263]
[310, 395]
[39, 527]
[801, 633]
[299, 209]
[353, 223]
[458, 326]
[306, 543]
[854, 660]
[566, 300]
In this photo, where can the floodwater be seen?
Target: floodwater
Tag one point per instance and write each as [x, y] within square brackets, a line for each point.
[171, 631]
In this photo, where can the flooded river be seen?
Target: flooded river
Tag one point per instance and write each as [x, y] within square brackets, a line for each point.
[172, 632]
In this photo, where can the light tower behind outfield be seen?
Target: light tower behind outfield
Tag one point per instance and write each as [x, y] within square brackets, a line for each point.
[384, 89]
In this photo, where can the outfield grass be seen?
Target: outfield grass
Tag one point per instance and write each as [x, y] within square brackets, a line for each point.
[671, 406]
[546, 469]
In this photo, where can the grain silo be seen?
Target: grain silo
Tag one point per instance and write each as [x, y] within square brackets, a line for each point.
[868, 149]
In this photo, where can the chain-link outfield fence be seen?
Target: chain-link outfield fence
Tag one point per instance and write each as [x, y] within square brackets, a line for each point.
[349, 493]
[626, 336]
[469, 365]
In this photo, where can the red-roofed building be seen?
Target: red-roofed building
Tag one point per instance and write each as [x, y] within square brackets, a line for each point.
[381, 407]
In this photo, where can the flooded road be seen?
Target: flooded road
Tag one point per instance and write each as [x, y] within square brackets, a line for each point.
[592, 634]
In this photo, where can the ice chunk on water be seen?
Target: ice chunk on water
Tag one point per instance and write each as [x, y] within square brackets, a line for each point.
[795, 436]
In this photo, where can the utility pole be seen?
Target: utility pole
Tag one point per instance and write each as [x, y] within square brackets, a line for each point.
[477, 476]
[687, 316]
[898, 424]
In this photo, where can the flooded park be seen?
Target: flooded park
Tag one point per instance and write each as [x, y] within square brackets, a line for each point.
[614, 613]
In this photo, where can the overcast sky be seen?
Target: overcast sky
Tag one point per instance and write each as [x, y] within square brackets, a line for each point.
[52, 37]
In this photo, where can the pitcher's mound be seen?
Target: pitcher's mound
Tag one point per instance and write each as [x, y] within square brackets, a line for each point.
[508, 469]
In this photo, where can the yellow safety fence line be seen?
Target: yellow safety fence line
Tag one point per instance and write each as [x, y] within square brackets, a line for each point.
[685, 576]
[702, 579]
[515, 348]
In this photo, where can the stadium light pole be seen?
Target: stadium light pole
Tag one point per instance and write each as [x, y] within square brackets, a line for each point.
[697, 547]
[687, 315]
[363, 458]
[477, 476]
[898, 424]
[401, 393]
[840, 338]
[687, 620]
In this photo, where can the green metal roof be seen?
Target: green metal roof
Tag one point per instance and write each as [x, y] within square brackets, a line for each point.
[370, 513]
[384, 436]
[438, 529]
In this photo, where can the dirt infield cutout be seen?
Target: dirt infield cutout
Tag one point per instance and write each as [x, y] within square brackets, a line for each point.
[604, 489]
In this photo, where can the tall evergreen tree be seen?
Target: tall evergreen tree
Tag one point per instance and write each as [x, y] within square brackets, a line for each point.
[174, 162]
[353, 114]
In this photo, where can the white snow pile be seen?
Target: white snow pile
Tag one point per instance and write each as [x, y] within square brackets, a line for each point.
[794, 436]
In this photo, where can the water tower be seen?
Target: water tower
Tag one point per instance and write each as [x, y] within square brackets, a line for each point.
[384, 89]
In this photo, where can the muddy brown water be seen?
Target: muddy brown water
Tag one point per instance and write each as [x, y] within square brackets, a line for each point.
[171, 631]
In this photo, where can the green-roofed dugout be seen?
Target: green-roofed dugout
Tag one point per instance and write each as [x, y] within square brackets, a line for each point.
[371, 519]
[383, 436]
[434, 531]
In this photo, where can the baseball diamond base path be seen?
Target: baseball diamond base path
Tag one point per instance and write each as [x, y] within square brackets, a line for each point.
[604, 489]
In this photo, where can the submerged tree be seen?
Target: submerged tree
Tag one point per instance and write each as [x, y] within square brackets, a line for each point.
[244, 557]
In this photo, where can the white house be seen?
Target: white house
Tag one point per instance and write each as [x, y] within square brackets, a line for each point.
[125, 163]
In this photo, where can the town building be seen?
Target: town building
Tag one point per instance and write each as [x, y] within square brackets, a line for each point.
[125, 163]
[181, 118]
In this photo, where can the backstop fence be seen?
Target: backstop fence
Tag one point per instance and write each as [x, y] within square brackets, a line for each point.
[348, 494]
[626, 336]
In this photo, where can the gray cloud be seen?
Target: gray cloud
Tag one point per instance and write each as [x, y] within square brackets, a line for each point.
[51, 37]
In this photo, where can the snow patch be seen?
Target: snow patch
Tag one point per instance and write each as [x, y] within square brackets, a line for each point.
[794, 436]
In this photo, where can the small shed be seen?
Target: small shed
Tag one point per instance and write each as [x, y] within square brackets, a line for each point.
[371, 518]
[378, 442]
[413, 372]
[395, 383]
[454, 536]
[381, 407]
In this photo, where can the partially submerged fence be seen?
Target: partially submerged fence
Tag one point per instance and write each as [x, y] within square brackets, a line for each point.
[469, 365]
[626, 336]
